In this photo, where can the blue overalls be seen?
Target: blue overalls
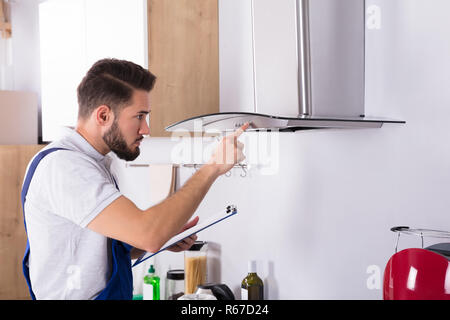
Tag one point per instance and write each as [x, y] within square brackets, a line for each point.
[120, 285]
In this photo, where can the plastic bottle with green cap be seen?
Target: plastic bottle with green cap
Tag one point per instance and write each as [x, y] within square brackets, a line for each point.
[151, 285]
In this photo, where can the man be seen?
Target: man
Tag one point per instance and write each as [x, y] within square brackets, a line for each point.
[82, 232]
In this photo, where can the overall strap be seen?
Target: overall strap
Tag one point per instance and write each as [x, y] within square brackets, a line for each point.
[25, 187]
[120, 285]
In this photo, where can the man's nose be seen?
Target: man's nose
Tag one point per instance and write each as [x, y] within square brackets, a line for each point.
[144, 129]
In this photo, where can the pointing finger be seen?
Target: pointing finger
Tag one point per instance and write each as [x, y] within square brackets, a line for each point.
[239, 131]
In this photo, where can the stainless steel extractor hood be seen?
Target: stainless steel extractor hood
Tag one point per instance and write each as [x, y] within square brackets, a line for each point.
[290, 65]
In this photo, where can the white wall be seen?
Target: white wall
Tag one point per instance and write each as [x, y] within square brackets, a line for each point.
[322, 222]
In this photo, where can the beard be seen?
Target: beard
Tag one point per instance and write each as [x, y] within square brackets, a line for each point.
[116, 142]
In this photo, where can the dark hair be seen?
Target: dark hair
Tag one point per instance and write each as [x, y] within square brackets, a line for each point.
[111, 82]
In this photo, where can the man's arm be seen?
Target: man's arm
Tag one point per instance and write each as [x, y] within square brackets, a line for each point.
[150, 229]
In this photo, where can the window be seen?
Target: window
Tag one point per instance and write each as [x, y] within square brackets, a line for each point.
[73, 35]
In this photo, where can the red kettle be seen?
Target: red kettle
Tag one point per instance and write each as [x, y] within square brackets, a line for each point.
[418, 273]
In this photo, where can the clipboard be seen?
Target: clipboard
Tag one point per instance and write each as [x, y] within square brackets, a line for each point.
[210, 221]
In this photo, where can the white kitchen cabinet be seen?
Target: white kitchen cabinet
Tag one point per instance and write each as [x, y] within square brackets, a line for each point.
[18, 117]
[74, 34]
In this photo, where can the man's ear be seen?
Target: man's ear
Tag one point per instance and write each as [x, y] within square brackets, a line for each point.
[104, 115]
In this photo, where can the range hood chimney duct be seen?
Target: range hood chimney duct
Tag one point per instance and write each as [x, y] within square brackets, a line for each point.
[304, 59]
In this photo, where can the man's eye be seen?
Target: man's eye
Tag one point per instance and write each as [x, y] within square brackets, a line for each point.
[140, 117]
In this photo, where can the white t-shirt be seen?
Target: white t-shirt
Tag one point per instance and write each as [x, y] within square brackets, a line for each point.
[68, 190]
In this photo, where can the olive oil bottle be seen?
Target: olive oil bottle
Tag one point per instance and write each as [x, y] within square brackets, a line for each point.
[252, 287]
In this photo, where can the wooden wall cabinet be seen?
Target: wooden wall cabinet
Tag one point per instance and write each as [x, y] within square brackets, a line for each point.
[184, 56]
[13, 163]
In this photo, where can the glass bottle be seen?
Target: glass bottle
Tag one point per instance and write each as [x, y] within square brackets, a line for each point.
[252, 287]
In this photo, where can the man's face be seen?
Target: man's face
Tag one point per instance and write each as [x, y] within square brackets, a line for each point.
[126, 132]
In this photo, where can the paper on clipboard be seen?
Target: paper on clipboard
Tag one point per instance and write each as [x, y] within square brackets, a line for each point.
[229, 211]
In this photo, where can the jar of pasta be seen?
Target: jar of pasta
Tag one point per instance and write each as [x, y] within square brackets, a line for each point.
[195, 266]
